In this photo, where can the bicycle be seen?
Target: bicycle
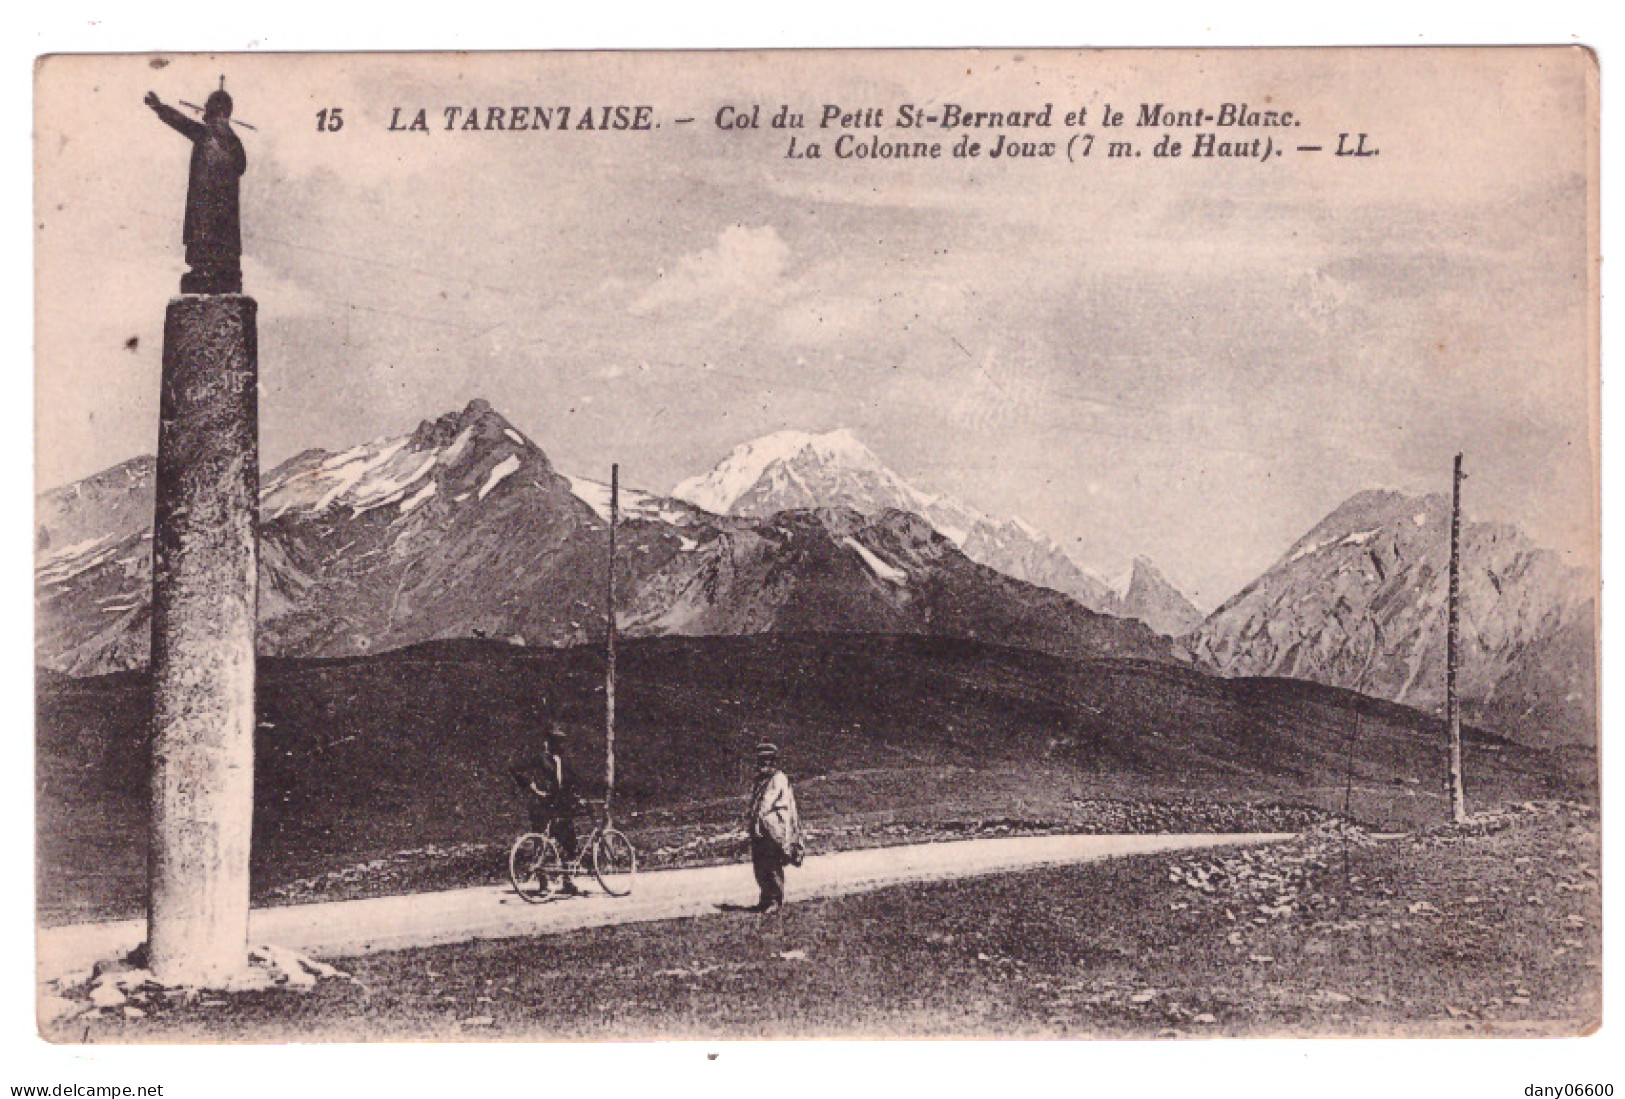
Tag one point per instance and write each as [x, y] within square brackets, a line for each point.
[537, 868]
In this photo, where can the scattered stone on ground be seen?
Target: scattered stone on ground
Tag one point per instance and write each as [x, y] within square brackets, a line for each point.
[1324, 931]
[107, 994]
[1276, 880]
[1487, 822]
[396, 872]
[123, 986]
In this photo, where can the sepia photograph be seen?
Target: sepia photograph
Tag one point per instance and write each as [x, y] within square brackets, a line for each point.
[841, 544]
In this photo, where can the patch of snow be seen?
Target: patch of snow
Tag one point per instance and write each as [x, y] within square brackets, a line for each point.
[1305, 550]
[386, 491]
[686, 545]
[347, 475]
[418, 497]
[77, 558]
[74, 550]
[1360, 538]
[343, 458]
[428, 464]
[514, 435]
[498, 472]
[364, 478]
[634, 503]
[594, 494]
[1420, 518]
[455, 450]
[876, 565]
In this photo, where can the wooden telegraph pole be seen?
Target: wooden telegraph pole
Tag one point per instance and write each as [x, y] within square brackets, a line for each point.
[609, 669]
[1458, 797]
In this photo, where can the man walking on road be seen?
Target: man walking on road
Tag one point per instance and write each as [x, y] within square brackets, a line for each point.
[774, 828]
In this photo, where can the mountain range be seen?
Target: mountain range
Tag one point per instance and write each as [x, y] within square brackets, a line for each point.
[1359, 601]
[794, 469]
[464, 528]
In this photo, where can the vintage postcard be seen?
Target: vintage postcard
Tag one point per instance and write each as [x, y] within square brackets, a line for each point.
[797, 544]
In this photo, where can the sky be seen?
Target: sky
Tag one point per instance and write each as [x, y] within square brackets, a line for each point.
[1190, 360]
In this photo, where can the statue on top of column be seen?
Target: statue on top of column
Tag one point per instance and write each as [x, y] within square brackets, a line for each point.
[212, 235]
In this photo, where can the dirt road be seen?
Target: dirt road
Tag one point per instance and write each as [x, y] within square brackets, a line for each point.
[346, 928]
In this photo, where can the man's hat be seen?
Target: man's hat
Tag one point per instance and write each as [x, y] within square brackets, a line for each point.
[767, 750]
[218, 103]
[556, 731]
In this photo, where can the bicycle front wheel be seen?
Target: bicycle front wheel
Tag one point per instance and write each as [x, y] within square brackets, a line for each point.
[614, 862]
[531, 863]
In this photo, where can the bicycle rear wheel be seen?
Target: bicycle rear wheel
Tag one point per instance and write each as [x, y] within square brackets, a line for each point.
[614, 862]
[535, 866]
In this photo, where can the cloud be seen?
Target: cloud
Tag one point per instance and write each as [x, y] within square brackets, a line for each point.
[746, 266]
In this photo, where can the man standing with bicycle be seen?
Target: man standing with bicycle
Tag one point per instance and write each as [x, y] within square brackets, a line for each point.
[774, 828]
[553, 798]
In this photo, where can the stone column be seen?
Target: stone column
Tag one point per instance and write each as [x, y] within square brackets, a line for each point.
[204, 614]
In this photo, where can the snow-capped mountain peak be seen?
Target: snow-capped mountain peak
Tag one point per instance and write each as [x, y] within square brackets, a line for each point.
[473, 451]
[790, 470]
[794, 469]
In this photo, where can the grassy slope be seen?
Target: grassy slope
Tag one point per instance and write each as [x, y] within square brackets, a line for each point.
[1476, 932]
[363, 757]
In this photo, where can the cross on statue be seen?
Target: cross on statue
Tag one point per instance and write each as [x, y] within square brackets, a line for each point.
[212, 232]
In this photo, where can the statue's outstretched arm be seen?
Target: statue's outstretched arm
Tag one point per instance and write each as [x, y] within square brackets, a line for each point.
[190, 127]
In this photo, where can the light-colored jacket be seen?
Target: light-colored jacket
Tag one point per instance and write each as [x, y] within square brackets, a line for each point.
[773, 812]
